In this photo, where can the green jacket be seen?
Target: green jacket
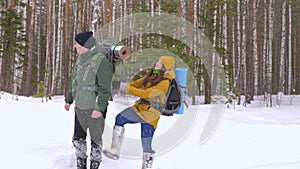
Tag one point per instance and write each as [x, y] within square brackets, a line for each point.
[90, 86]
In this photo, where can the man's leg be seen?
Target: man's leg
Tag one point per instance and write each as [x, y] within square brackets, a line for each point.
[96, 128]
[79, 138]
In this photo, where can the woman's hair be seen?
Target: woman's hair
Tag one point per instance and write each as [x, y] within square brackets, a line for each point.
[153, 79]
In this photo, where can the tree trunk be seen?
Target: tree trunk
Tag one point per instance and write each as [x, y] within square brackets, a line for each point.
[66, 47]
[229, 42]
[209, 31]
[241, 66]
[29, 79]
[249, 54]
[260, 48]
[48, 74]
[297, 66]
[59, 68]
[111, 14]
[7, 65]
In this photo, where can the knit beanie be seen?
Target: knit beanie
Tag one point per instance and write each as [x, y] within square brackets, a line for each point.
[85, 39]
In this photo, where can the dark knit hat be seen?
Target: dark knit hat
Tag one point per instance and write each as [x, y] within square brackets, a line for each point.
[85, 39]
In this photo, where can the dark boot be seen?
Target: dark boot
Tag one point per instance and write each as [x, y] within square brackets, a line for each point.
[80, 148]
[95, 164]
[96, 155]
[81, 163]
[80, 152]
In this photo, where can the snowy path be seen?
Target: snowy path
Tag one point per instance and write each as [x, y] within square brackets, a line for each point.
[38, 136]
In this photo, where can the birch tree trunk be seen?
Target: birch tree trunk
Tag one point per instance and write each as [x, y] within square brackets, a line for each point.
[48, 74]
[269, 53]
[97, 15]
[283, 53]
[240, 59]
[60, 51]
[289, 60]
[57, 64]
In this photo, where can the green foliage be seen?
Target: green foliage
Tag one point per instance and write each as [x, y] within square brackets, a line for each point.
[169, 7]
[140, 6]
[13, 36]
[41, 88]
[174, 48]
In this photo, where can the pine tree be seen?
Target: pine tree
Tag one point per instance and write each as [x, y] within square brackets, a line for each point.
[13, 40]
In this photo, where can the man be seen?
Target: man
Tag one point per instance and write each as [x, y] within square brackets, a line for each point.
[90, 88]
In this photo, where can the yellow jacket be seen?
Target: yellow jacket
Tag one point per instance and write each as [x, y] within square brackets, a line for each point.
[146, 111]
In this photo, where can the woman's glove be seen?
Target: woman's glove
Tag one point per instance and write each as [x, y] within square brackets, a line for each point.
[123, 86]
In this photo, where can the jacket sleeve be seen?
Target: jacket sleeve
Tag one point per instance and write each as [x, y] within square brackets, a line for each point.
[69, 95]
[103, 80]
[145, 93]
[137, 83]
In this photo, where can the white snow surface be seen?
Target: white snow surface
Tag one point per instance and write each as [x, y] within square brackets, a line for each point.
[37, 134]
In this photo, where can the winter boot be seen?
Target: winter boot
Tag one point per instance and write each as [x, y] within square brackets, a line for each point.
[95, 164]
[81, 163]
[147, 160]
[114, 151]
[96, 155]
[80, 152]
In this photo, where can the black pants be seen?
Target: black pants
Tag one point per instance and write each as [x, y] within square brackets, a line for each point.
[83, 121]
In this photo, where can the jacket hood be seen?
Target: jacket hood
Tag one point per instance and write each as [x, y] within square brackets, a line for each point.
[168, 62]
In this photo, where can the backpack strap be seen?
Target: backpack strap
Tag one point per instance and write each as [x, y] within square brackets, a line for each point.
[144, 101]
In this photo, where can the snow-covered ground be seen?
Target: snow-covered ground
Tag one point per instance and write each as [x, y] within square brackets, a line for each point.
[37, 135]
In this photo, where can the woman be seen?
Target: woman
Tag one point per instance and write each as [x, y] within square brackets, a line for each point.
[146, 111]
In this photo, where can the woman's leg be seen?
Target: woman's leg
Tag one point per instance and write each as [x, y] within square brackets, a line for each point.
[147, 132]
[147, 136]
[127, 116]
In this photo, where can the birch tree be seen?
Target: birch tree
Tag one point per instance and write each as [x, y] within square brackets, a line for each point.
[48, 74]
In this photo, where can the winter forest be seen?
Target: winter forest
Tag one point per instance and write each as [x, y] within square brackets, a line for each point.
[256, 42]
